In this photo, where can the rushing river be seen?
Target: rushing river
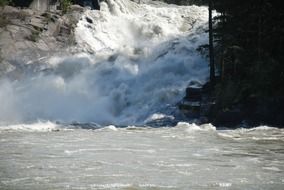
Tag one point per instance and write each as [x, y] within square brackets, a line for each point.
[71, 121]
[49, 156]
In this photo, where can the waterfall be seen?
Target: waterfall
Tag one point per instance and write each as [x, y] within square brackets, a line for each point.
[135, 63]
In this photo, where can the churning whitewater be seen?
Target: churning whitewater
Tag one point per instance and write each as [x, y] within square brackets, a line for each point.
[138, 60]
[181, 158]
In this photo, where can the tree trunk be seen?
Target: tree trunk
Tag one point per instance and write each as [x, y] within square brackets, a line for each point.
[211, 48]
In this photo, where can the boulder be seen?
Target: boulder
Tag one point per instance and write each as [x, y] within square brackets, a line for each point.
[89, 20]
[38, 23]
[76, 8]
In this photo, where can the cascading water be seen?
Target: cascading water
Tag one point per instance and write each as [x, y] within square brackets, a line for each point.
[141, 58]
[137, 61]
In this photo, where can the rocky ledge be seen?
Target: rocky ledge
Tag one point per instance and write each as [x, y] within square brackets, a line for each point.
[201, 105]
[26, 34]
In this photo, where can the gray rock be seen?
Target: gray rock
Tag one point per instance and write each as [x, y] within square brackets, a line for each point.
[6, 38]
[10, 11]
[77, 8]
[5, 67]
[30, 34]
[27, 12]
[41, 45]
[38, 23]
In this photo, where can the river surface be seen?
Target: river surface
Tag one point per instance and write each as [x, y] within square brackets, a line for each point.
[80, 118]
[187, 156]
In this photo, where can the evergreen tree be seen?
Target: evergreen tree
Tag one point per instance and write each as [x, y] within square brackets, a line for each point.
[249, 52]
[211, 48]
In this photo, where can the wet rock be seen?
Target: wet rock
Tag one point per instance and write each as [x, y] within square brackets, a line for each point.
[190, 109]
[193, 94]
[89, 20]
[198, 102]
[195, 83]
[191, 103]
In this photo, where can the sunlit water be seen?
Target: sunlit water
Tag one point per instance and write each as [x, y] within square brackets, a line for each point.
[138, 60]
[47, 156]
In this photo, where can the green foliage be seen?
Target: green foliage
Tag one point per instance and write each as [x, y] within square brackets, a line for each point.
[65, 5]
[4, 2]
[34, 36]
[3, 21]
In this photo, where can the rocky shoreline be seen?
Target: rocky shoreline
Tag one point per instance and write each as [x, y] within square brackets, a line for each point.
[202, 104]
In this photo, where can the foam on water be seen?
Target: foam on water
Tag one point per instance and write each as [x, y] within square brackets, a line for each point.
[193, 127]
[140, 60]
[260, 133]
[35, 127]
[180, 157]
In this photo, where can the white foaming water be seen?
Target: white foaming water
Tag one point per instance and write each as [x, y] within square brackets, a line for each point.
[38, 126]
[184, 157]
[142, 58]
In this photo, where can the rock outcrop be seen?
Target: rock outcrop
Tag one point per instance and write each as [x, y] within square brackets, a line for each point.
[26, 34]
[52, 5]
[198, 102]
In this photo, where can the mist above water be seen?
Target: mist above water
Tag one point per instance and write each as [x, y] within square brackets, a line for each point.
[136, 63]
[139, 59]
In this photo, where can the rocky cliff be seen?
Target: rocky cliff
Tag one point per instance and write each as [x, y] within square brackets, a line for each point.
[27, 34]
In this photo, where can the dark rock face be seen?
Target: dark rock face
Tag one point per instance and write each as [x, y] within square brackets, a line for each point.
[254, 111]
[191, 103]
[267, 110]
[95, 4]
[198, 102]
[89, 20]
[193, 93]
[21, 3]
